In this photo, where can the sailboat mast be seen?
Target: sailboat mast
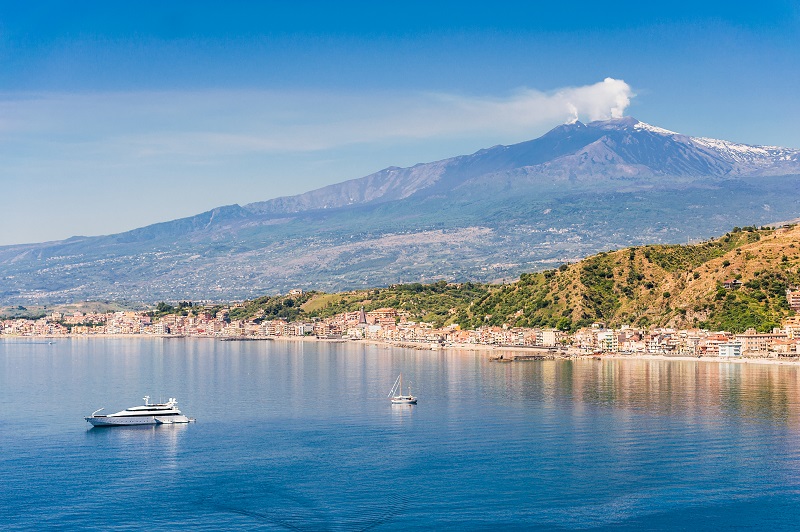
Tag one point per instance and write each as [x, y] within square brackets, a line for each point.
[394, 387]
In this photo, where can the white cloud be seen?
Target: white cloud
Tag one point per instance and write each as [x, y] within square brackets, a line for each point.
[209, 123]
[530, 108]
[601, 101]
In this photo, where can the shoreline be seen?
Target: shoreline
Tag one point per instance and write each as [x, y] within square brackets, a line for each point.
[553, 355]
[520, 353]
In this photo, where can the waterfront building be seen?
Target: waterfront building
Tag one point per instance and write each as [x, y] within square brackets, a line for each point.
[655, 344]
[275, 328]
[758, 343]
[355, 333]
[550, 337]
[730, 349]
[585, 339]
[785, 348]
[710, 345]
[608, 341]
[303, 329]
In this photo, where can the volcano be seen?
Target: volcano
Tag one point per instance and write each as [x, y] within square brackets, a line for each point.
[488, 216]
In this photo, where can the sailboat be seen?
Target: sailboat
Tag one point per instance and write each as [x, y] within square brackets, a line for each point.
[396, 393]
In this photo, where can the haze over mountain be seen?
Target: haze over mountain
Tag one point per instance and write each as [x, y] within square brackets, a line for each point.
[494, 214]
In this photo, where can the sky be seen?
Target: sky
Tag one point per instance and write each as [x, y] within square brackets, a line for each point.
[116, 115]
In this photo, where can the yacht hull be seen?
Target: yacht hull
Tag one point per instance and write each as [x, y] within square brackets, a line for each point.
[105, 421]
[108, 421]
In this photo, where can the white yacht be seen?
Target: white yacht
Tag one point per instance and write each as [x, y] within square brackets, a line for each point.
[396, 393]
[157, 414]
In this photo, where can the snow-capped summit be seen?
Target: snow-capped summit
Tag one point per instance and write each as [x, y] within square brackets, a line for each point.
[654, 129]
[619, 148]
[733, 152]
[631, 147]
[628, 122]
[744, 159]
[751, 159]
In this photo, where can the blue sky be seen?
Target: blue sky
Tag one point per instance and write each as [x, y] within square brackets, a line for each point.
[115, 115]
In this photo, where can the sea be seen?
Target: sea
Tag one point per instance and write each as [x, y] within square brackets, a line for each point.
[301, 436]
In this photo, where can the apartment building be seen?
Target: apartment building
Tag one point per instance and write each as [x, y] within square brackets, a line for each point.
[753, 342]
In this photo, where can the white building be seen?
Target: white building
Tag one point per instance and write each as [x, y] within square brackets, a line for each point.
[550, 337]
[608, 341]
[730, 349]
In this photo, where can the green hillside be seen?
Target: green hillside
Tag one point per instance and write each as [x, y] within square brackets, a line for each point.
[667, 285]
[439, 303]
[678, 285]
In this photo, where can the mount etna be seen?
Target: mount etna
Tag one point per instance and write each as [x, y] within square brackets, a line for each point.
[488, 216]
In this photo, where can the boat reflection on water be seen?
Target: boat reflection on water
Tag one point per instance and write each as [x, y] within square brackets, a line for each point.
[128, 443]
[402, 414]
[137, 432]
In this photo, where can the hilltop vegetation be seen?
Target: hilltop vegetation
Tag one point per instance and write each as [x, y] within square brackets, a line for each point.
[666, 285]
[439, 303]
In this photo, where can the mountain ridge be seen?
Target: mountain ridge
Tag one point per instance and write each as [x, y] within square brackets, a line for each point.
[486, 216]
[715, 158]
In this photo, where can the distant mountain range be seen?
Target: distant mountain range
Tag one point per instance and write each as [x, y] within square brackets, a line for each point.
[491, 215]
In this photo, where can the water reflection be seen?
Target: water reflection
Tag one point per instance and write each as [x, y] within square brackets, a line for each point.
[165, 431]
[402, 413]
[694, 388]
[163, 441]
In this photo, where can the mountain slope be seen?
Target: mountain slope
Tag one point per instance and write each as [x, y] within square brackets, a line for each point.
[678, 285]
[491, 215]
[665, 285]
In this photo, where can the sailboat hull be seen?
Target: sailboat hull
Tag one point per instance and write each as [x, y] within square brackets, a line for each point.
[404, 400]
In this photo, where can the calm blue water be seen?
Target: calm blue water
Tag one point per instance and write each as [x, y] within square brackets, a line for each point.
[300, 436]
